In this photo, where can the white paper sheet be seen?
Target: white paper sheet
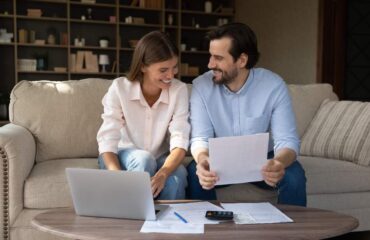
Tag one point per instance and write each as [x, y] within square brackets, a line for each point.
[255, 213]
[193, 213]
[171, 227]
[238, 159]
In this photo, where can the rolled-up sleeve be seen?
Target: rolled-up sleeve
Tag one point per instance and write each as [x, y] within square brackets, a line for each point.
[201, 125]
[283, 125]
[109, 133]
[179, 126]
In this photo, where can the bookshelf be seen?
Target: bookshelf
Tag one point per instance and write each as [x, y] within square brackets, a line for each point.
[54, 36]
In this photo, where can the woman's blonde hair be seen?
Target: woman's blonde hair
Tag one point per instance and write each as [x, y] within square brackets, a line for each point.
[154, 47]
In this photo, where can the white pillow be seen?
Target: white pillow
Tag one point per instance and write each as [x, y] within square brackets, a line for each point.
[339, 130]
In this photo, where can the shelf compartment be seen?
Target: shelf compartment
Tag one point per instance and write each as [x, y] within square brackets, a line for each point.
[41, 46]
[50, 1]
[50, 9]
[25, 17]
[92, 22]
[147, 25]
[140, 8]
[94, 48]
[80, 31]
[10, 16]
[7, 68]
[92, 13]
[7, 44]
[106, 5]
[209, 14]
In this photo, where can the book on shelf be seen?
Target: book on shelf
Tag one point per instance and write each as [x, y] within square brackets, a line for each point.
[60, 69]
[138, 20]
[193, 71]
[157, 4]
[39, 42]
[91, 62]
[114, 66]
[79, 67]
[86, 61]
[34, 12]
[88, 1]
[22, 35]
[134, 3]
[73, 62]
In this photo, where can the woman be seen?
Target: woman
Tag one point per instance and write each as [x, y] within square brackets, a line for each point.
[145, 120]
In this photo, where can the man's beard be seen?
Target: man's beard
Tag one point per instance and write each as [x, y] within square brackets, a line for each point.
[226, 77]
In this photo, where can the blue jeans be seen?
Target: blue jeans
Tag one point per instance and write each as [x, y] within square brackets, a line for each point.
[139, 160]
[291, 189]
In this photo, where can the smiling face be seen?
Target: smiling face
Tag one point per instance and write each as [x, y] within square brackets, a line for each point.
[225, 69]
[160, 75]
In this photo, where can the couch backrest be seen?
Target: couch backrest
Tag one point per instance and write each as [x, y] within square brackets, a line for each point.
[64, 117]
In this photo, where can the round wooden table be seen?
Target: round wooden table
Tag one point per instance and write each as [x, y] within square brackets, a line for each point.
[309, 223]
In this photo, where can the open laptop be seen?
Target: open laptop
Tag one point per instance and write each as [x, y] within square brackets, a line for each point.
[114, 194]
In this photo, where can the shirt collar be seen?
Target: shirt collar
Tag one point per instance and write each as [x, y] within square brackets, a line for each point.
[135, 91]
[245, 85]
[137, 94]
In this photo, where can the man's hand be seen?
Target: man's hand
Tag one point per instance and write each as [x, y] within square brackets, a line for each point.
[157, 182]
[207, 179]
[273, 172]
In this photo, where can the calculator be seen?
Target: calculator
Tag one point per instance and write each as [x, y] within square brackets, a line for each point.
[219, 215]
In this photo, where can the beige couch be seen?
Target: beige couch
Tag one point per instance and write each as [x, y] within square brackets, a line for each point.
[54, 124]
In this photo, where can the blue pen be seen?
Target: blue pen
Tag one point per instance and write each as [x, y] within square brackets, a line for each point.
[181, 218]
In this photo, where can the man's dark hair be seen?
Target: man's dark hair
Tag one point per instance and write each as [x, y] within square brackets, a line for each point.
[243, 40]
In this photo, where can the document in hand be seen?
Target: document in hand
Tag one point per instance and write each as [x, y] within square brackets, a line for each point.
[238, 159]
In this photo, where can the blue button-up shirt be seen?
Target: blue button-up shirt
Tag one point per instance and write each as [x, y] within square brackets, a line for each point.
[262, 105]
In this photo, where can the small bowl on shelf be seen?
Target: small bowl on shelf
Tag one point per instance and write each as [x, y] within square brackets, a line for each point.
[133, 43]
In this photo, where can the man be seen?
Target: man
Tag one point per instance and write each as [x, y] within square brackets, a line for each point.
[234, 99]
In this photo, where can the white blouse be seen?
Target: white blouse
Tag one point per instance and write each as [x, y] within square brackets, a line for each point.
[129, 122]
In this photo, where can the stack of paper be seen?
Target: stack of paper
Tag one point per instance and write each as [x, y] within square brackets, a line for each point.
[254, 213]
[193, 218]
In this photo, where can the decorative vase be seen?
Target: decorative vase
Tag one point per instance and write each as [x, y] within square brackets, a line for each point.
[170, 19]
[208, 6]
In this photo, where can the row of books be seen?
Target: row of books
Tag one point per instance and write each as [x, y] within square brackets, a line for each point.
[147, 3]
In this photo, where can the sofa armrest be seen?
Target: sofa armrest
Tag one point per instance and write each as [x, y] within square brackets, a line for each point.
[17, 152]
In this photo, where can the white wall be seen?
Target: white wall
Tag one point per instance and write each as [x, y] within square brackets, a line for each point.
[287, 35]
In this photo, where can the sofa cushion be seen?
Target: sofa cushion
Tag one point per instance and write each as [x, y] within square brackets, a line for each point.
[340, 130]
[328, 176]
[47, 186]
[306, 100]
[64, 117]
[245, 192]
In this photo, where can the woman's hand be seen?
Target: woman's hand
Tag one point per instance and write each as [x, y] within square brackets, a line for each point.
[157, 182]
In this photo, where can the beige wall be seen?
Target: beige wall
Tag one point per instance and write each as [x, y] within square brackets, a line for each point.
[287, 35]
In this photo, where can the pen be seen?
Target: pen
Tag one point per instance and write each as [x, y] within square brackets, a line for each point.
[181, 218]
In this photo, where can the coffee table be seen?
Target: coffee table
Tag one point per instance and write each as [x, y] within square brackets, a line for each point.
[309, 223]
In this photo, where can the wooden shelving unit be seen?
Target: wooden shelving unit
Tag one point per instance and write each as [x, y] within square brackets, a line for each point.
[188, 26]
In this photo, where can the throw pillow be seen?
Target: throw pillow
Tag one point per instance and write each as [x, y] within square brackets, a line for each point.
[339, 130]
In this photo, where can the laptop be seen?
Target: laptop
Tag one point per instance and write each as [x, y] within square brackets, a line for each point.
[113, 194]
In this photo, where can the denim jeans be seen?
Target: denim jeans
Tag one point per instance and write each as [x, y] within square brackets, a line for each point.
[291, 189]
[139, 160]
